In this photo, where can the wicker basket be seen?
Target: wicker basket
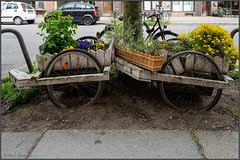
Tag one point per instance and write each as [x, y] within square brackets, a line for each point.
[147, 61]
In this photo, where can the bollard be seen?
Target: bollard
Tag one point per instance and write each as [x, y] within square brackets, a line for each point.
[22, 45]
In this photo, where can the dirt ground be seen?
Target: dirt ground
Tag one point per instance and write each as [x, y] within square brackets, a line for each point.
[124, 105]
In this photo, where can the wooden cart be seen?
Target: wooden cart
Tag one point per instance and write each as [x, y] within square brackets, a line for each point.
[76, 77]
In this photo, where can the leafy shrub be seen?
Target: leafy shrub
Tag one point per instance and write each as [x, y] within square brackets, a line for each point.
[19, 96]
[59, 31]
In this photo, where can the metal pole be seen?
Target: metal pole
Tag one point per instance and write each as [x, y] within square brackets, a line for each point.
[22, 45]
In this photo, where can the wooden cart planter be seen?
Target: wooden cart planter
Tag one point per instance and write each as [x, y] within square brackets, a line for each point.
[76, 77]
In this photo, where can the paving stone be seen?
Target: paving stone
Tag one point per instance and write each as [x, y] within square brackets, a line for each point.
[18, 144]
[116, 144]
[217, 144]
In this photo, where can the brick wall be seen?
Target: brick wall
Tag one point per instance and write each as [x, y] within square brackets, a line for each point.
[48, 6]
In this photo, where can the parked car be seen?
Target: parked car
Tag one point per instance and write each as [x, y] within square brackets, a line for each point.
[82, 13]
[17, 12]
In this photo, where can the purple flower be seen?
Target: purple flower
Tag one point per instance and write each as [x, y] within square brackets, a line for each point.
[83, 45]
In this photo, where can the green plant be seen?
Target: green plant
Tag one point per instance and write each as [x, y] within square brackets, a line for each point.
[234, 74]
[126, 39]
[113, 68]
[151, 23]
[59, 31]
[19, 96]
[35, 68]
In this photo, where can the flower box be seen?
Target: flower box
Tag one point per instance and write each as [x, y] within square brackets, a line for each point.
[104, 57]
[199, 64]
[147, 61]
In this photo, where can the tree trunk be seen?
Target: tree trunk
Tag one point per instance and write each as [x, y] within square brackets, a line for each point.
[132, 12]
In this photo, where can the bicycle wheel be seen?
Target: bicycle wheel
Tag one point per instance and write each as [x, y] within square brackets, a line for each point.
[185, 96]
[68, 63]
[90, 39]
[169, 36]
[233, 32]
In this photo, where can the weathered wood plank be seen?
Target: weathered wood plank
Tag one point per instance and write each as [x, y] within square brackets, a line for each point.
[66, 62]
[168, 70]
[39, 62]
[164, 53]
[225, 66]
[207, 65]
[189, 62]
[89, 61]
[199, 63]
[47, 58]
[100, 56]
[132, 70]
[25, 81]
[107, 58]
[74, 61]
[177, 65]
[189, 80]
[83, 62]
[218, 61]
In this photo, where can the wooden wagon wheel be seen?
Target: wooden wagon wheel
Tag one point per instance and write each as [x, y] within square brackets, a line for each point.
[74, 62]
[190, 97]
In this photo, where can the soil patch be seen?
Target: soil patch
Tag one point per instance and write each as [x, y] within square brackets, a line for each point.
[125, 104]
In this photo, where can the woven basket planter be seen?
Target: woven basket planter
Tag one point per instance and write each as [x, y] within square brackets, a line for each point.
[147, 61]
[104, 57]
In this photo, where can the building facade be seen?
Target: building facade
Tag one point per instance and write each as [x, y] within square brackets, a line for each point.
[175, 8]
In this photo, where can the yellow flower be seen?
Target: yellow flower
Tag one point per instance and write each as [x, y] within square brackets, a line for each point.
[45, 15]
[66, 48]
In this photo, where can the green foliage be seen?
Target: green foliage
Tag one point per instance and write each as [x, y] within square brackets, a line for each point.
[59, 31]
[234, 74]
[127, 40]
[151, 23]
[19, 96]
[35, 68]
[113, 68]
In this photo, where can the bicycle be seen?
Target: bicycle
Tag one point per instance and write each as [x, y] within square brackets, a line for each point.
[162, 15]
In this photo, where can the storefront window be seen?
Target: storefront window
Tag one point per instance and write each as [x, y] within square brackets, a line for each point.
[147, 5]
[166, 5]
[154, 3]
[177, 5]
[188, 5]
[183, 5]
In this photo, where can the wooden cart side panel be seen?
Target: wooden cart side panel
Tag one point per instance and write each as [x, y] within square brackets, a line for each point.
[23, 80]
[74, 61]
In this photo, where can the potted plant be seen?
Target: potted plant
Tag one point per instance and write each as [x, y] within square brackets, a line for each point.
[140, 51]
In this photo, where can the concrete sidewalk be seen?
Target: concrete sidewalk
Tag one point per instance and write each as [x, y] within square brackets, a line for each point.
[181, 20]
[59, 144]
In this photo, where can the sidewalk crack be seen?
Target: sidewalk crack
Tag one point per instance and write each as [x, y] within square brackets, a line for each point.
[199, 146]
[36, 143]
